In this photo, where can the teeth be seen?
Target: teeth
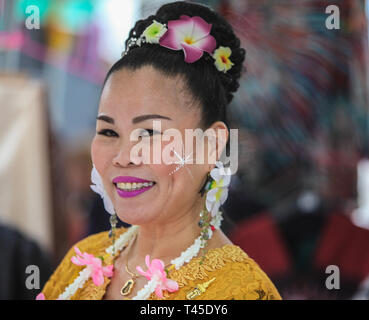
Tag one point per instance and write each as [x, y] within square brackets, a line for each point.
[133, 186]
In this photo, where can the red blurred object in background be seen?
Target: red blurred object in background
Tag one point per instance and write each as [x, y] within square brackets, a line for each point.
[259, 237]
[345, 245]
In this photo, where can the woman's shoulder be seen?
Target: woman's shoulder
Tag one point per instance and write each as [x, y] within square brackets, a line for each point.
[66, 271]
[254, 282]
[227, 273]
[244, 277]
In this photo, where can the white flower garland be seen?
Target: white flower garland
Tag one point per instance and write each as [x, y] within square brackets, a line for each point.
[143, 294]
[147, 290]
[122, 240]
[77, 283]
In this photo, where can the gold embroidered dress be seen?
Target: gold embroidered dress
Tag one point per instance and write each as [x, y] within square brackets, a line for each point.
[226, 273]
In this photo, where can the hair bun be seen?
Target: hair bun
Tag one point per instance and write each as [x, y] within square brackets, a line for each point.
[210, 87]
[221, 30]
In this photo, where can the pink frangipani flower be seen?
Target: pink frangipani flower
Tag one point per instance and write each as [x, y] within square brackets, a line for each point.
[192, 35]
[94, 264]
[156, 269]
[40, 296]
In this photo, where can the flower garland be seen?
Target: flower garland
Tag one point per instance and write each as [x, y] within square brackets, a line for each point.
[78, 283]
[155, 282]
[189, 34]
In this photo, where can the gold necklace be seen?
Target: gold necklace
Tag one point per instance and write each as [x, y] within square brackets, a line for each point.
[128, 286]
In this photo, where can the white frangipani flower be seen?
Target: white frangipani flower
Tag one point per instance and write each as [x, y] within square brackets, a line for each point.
[154, 32]
[98, 187]
[218, 192]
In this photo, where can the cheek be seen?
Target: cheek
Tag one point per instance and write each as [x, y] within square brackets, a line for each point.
[186, 179]
[99, 155]
[182, 178]
[94, 151]
[185, 185]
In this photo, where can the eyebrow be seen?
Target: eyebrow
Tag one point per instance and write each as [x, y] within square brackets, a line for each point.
[134, 120]
[106, 119]
[149, 116]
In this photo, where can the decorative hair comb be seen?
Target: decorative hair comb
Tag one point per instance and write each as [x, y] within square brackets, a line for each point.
[190, 34]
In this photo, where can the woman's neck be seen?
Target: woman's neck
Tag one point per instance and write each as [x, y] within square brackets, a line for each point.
[166, 241]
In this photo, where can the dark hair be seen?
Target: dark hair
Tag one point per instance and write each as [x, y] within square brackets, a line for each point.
[209, 86]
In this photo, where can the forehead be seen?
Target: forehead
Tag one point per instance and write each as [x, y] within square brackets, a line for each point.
[128, 94]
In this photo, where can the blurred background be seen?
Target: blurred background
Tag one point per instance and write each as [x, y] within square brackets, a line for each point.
[300, 199]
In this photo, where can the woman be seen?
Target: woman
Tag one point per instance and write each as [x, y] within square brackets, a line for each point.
[179, 72]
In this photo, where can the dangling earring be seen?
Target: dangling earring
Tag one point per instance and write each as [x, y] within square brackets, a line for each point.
[216, 188]
[113, 225]
[205, 223]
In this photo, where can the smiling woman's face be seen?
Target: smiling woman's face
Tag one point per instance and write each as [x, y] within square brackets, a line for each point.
[132, 100]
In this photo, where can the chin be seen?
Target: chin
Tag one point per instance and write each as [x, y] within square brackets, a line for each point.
[135, 216]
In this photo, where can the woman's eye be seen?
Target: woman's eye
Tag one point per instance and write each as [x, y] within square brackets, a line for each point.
[148, 132]
[108, 133]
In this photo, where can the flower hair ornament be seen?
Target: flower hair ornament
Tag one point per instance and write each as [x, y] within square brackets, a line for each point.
[98, 268]
[188, 34]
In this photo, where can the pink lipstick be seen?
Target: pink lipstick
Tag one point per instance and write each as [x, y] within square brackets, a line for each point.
[128, 187]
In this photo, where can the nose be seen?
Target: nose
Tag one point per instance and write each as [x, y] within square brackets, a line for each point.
[125, 158]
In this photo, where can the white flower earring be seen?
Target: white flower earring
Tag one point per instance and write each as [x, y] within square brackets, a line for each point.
[98, 187]
[218, 188]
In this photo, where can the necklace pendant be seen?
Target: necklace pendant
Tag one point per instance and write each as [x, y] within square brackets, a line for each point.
[126, 289]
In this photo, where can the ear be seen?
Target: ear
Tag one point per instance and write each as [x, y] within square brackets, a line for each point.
[217, 134]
